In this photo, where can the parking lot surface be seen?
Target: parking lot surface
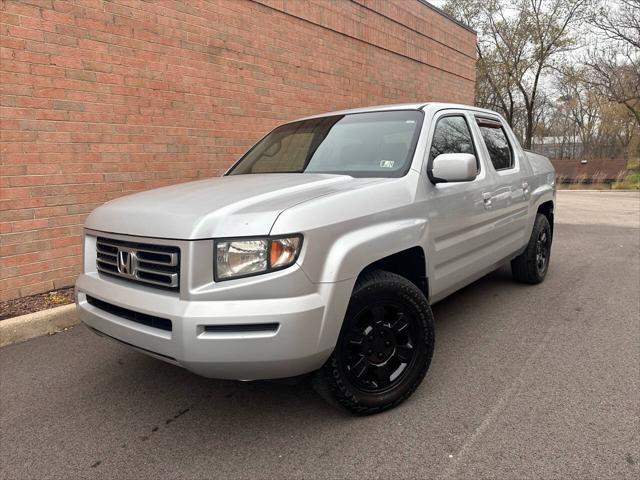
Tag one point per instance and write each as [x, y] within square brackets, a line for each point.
[526, 382]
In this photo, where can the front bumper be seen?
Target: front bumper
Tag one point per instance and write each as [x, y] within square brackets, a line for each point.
[294, 348]
[298, 345]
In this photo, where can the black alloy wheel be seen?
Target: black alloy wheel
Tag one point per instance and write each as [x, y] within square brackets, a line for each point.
[542, 252]
[531, 266]
[380, 346]
[384, 348]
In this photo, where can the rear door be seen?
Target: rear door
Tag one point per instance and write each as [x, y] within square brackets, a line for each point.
[510, 193]
[460, 214]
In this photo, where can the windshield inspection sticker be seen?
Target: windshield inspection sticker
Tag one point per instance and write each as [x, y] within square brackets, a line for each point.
[386, 163]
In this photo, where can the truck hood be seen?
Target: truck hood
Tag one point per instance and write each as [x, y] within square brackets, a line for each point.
[232, 206]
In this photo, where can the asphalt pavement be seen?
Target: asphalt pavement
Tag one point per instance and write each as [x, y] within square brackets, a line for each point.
[526, 382]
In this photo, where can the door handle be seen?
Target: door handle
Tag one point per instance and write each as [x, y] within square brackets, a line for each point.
[486, 197]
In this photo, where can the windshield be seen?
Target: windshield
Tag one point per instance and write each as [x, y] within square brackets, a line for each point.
[378, 144]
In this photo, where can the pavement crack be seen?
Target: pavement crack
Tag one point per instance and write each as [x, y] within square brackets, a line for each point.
[511, 390]
[178, 415]
[491, 417]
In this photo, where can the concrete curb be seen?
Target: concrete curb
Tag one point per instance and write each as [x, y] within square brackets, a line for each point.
[24, 327]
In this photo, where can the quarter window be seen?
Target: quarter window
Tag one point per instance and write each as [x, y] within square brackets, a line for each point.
[451, 135]
[495, 138]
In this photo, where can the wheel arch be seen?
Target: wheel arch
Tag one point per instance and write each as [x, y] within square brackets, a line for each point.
[389, 246]
[349, 253]
[409, 263]
[547, 209]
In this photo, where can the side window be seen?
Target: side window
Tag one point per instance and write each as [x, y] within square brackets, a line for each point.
[495, 138]
[451, 135]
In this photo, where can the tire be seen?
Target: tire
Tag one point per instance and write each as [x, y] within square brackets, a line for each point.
[532, 265]
[384, 348]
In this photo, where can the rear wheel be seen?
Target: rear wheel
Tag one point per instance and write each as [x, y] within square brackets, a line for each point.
[532, 265]
[385, 346]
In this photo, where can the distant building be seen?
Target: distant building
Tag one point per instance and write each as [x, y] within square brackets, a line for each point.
[558, 147]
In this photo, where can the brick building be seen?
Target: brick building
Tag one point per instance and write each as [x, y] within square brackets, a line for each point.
[102, 98]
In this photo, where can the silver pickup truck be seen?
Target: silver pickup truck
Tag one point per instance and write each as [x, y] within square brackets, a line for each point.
[322, 249]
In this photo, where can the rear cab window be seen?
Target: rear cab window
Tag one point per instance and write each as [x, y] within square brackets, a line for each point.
[497, 142]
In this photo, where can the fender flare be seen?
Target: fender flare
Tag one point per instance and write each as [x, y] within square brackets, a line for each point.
[542, 194]
[352, 252]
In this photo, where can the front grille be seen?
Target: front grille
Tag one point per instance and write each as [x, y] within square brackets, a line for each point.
[143, 318]
[157, 265]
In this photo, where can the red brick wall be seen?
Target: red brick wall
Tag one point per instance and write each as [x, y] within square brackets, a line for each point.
[596, 170]
[103, 98]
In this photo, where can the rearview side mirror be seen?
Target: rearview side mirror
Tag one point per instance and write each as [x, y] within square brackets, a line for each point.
[453, 167]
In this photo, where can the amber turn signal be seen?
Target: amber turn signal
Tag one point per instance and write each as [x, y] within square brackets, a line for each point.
[283, 251]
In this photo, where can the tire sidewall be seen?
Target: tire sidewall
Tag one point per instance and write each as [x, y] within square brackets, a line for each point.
[394, 292]
[542, 224]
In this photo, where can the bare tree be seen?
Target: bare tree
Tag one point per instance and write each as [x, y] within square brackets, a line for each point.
[518, 42]
[614, 64]
[621, 24]
[583, 122]
[495, 88]
[581, 104]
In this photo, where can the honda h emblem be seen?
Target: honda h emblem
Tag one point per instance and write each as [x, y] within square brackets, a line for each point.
[126, 262]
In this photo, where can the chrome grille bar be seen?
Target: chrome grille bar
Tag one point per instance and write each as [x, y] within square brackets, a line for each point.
[157, 265]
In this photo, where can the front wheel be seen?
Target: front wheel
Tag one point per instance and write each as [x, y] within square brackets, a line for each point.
[532, 265]
[385, 346]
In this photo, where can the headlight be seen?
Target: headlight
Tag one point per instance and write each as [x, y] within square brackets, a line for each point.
[243, 257]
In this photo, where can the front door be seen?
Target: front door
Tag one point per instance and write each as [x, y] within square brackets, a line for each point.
[460, 215]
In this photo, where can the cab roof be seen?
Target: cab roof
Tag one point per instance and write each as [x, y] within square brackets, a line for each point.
[400, 106]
